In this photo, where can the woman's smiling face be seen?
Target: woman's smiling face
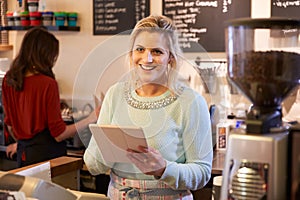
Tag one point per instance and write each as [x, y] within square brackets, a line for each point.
[150, 57]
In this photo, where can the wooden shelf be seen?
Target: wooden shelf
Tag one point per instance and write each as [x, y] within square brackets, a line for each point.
[50, 28]
[5, 47]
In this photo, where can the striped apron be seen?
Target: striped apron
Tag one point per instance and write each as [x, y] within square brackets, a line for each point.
[129, 189]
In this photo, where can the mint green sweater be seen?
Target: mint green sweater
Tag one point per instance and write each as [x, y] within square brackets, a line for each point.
[181, 131]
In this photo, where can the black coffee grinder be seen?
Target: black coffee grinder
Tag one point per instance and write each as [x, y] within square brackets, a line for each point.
[264, 63]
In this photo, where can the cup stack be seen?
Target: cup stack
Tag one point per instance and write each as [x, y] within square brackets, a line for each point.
[3, 22]
[3, 11]
[34, 15]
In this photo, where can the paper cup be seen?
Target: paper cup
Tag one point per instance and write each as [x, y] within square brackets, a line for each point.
[216, 189]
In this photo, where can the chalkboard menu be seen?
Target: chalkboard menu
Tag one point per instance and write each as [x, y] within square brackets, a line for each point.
[202, 21]
[116, 16]
[285, 8]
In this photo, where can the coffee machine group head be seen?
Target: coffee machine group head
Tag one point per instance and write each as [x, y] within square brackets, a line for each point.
[264, 64]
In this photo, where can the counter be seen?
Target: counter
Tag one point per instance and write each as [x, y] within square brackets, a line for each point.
[65, 171]
[218, 162]
[217, 170]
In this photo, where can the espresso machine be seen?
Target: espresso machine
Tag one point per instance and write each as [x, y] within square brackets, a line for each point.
[264, 64]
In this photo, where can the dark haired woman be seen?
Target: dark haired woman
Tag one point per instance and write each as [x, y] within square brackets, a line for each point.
[31, 101]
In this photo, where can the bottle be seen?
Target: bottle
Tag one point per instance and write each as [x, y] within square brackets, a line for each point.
[222, 134]
[42, 6]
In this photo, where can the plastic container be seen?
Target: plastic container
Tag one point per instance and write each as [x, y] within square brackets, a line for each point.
[47, 18]
[35, 18]
[263, 62]
[10, 19]
[17, 19]
[33, 5]
[223, 128]
[24, 16]
[4, 64]
[216, 189]
[60, 18]
[72, 19]
[42, 5]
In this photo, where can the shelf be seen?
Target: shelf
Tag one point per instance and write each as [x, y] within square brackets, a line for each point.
[5, 47]
[24, 28]
[63, 28]
[50, 28]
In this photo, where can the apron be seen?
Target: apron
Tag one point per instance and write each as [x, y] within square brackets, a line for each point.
[126, 189]
[40, 148]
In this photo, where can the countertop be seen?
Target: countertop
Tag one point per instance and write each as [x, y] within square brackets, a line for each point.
[218, 162]
[59, 166]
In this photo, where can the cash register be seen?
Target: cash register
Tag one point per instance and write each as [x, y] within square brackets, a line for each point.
[37, 188]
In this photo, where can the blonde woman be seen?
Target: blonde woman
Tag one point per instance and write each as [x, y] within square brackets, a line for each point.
[174, 118]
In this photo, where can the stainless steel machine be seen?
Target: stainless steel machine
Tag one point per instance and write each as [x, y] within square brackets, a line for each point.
[264, 63]
[36, 188]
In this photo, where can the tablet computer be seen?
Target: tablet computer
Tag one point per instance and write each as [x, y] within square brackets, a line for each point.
[113, 141]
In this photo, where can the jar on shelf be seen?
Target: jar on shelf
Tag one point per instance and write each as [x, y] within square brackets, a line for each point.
[10, 18]
[17, 18]
[35, 18]
[33, 5]
[60, 18]
[47, 18]
[25, 21]
[72, 18]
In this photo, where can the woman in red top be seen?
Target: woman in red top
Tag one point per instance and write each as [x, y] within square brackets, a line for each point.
[31, 101]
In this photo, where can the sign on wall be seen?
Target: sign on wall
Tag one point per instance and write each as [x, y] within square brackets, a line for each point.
[285, 8]
[202, 21]
[116, 16]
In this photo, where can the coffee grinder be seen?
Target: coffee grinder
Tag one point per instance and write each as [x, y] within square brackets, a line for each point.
[264, 63]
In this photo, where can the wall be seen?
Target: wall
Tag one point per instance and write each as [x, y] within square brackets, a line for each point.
[82, 55]
[75, 47]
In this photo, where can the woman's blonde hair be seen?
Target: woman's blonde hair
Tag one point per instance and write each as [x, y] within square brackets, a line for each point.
[165, 26]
